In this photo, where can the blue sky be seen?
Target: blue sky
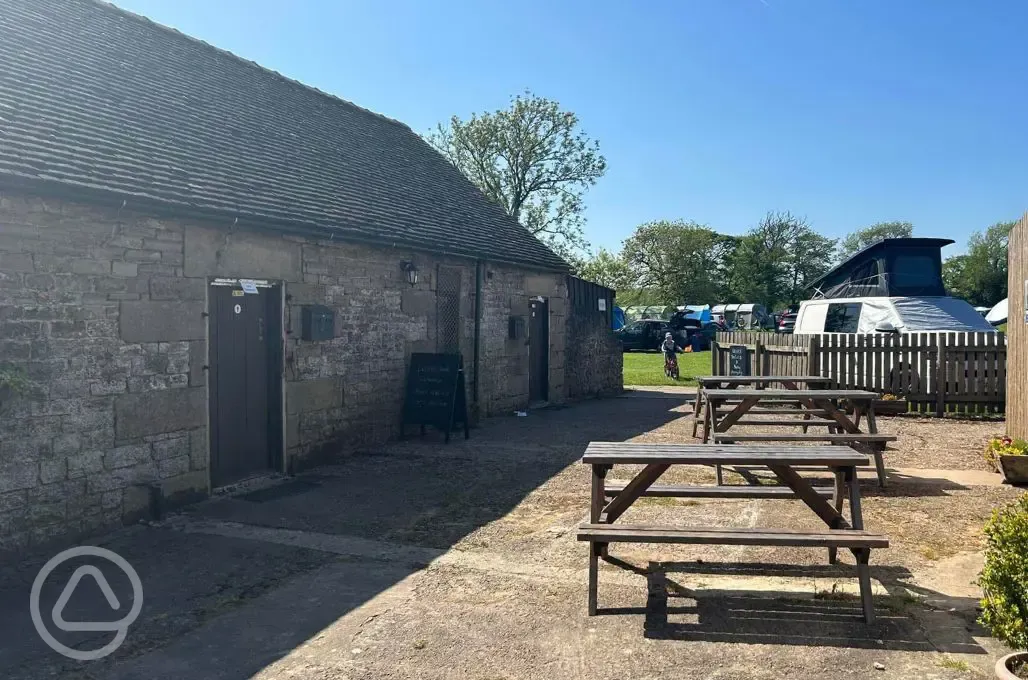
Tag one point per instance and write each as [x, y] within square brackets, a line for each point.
[847, 112]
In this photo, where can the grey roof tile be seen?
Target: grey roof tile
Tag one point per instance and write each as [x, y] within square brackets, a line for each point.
[97, 98]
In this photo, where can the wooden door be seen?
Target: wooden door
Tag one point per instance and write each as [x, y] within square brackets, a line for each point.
[539, 351]
[245, 382]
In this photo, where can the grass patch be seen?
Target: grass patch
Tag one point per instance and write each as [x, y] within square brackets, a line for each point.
[955, 664]
[930, 553]
[667, 501]
[647, 368]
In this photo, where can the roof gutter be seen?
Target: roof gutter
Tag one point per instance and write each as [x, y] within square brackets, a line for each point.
[108, 198]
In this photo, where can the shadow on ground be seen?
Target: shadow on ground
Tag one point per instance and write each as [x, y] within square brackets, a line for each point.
[828, 619]
[420, 493]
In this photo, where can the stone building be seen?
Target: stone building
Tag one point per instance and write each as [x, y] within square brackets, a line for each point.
[209, 271]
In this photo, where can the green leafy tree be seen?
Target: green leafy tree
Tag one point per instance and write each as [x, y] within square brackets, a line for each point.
[610, 270]
[681, 262]
[862, 238]
[776, 260]
[531, 159]
[980, 275]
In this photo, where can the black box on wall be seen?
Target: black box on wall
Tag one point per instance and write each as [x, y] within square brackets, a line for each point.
[317, 322]
[515, 327]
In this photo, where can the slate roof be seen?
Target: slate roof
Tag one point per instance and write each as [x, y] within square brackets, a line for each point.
[110, 104]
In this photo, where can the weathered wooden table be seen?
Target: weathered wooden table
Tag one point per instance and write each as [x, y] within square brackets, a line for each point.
[601, 529]
[731, 382]
[818, 407]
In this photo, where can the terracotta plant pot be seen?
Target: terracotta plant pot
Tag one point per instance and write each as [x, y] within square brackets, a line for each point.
[1003, 671]
[1014, 469]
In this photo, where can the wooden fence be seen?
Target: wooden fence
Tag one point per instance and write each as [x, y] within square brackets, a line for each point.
[934, 372]
[1017, 287]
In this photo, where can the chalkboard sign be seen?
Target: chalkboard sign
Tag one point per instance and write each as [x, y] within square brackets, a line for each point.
[738, 360]
[436, 393]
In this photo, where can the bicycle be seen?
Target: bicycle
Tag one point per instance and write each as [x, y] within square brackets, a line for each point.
[670, 366]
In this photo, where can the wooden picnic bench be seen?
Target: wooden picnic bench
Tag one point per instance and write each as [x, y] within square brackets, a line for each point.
[720, 416]
[601, 530]
[731, 382]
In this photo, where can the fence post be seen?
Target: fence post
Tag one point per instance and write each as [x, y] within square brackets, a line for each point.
[940, 376]
[813, 355]
[713, 357]
[758, 356]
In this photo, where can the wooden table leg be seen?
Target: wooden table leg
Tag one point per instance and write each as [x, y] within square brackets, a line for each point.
[697, 410]
[594, 573]
[834, 413]
[599, 492]
[872, 428]
[598, 500]
[736, 413]
[838, 494]
[632, 491]
[815, 501]
[863, 555]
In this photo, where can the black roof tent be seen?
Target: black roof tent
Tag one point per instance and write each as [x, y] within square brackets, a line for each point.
[892, 267]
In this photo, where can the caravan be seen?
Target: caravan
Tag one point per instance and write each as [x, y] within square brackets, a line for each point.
[746, 316]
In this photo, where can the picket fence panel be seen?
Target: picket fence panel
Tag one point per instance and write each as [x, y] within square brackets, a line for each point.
[935, 372]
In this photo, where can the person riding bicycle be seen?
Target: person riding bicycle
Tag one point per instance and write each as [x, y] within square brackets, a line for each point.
[669, 347]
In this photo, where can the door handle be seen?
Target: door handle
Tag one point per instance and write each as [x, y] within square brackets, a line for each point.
[260, 328]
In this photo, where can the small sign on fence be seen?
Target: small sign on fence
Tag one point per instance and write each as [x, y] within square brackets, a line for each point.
[738, 360]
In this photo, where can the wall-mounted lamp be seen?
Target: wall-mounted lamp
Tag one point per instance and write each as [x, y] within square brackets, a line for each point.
[411, 270]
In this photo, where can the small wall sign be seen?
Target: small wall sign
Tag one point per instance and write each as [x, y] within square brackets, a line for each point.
[602, 304]
[249, 286]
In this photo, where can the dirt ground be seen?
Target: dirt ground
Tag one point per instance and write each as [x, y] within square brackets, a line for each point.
[425, 560]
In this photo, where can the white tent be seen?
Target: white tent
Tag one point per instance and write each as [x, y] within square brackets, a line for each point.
[998, 314]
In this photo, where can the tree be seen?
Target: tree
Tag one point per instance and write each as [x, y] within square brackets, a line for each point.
[610, 270]
[532, 160]
[862, 238]
[778, 258]
[980, 275]
[680, 261]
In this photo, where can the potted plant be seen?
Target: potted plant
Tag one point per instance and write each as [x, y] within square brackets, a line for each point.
[12, 381]
[890, 404]
[1004, 583]
[1010, 457]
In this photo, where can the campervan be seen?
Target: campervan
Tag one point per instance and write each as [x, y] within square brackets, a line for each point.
[892, 286]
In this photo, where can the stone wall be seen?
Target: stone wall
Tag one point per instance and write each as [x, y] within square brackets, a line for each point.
[104, 310]
[595, 363]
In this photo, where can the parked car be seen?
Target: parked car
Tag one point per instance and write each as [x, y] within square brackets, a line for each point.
[787, 322]
[645, 335]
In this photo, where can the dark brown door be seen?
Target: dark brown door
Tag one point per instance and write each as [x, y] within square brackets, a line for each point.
[245, 382]
[538, 351]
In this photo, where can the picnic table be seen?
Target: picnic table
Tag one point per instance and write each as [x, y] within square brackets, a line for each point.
[819, 407]
[731, 382]
[602, 529]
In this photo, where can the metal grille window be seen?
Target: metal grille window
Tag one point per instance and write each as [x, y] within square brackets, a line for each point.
[447, 305]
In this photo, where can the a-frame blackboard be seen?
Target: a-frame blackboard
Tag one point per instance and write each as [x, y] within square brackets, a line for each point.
[436, 393]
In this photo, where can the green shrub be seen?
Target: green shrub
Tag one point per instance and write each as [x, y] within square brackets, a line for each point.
[1004, 579]
[13, 379]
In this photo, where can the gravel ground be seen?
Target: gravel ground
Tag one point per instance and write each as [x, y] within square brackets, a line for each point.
[425, 560]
